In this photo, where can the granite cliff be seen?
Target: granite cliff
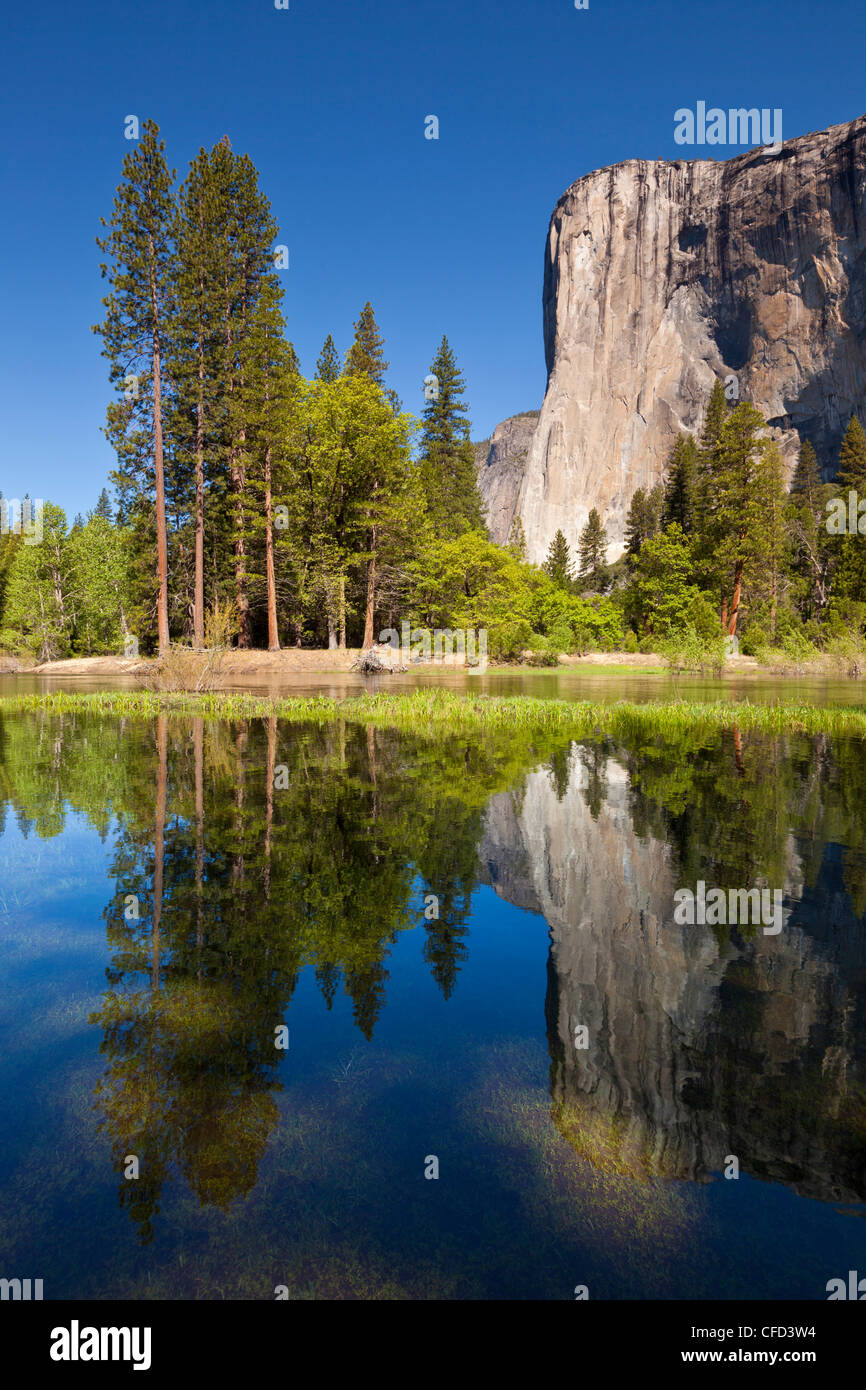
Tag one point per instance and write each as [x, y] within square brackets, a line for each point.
[660, 276]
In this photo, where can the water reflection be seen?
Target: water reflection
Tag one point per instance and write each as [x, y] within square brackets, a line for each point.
[244, 854]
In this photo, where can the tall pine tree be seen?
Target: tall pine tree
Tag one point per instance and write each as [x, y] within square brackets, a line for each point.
[558, 563]
[328, 365]
[592, 548]
[446, 456]
[680, 484]
[849, 579]
[141, 262]
[366, 356]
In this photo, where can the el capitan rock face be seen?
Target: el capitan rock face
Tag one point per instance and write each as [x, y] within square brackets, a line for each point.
[660, 276]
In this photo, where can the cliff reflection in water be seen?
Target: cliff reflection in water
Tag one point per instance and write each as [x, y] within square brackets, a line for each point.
[244, 854]
[703, 1042]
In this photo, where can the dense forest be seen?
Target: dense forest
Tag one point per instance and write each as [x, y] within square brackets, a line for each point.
[258, 506]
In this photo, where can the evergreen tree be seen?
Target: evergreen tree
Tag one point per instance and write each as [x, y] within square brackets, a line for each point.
[811, 549]
[328, 365]
[849, 576]
[446, 456]
[852, 460]
[593, 552]
[201, 362]
[558, 563]
[253, 280]
[807, 481]
[714, 421]
[769, 541]
[103, 507]
[643, 520]
[271, 389]
[680, 483]
[141, 262]
[366, 355]
[517, 539]
[735, 524]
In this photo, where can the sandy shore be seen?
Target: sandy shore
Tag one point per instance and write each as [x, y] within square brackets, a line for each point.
[298, 661]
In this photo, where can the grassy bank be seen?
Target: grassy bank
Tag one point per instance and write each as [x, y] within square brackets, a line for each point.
[437, 712]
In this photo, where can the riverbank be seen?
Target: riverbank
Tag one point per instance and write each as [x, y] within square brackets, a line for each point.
[437, 712]
[234, 666]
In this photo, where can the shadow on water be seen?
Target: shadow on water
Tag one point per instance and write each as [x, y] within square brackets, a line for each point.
[368, 891]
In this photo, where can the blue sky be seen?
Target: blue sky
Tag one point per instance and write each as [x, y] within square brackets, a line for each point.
[329, 99]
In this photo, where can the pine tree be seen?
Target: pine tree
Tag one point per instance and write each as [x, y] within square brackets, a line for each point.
[593, 552]
[717, 414]
[250, 275]
[643, 520]
[811, 548]
[446, 456]
[271, 390]
[849, 577]
[200, 365]
[517, 539]
[328, 365]
[807, 480]
[769, 541]
[736, 526]
[680, 484]
[851, 474]
[366, 356]
[103, 507]
[140, 263]
[558, 562]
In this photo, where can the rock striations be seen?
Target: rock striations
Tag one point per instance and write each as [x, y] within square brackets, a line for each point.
[660, 276]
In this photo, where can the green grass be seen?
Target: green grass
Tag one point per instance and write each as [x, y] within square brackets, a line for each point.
[437, 712]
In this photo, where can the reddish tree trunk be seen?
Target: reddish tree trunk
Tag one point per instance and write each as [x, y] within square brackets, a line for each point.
[159, 480]
[198, 584]
[159, 843]
[371, 596]
[735, 601]
[273, 633]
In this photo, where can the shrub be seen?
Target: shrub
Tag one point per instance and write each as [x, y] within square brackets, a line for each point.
[686, 649]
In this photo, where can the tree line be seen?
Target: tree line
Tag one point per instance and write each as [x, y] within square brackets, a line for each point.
[295, 505]
[726, 545]
[257, 503]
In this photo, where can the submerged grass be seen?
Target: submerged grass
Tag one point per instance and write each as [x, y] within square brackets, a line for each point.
[439, 712]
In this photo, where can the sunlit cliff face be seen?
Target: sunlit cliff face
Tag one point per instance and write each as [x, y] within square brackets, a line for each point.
[661, 276]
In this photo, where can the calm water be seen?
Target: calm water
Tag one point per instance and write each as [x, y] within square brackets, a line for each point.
[172, 893]
[563, 683]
